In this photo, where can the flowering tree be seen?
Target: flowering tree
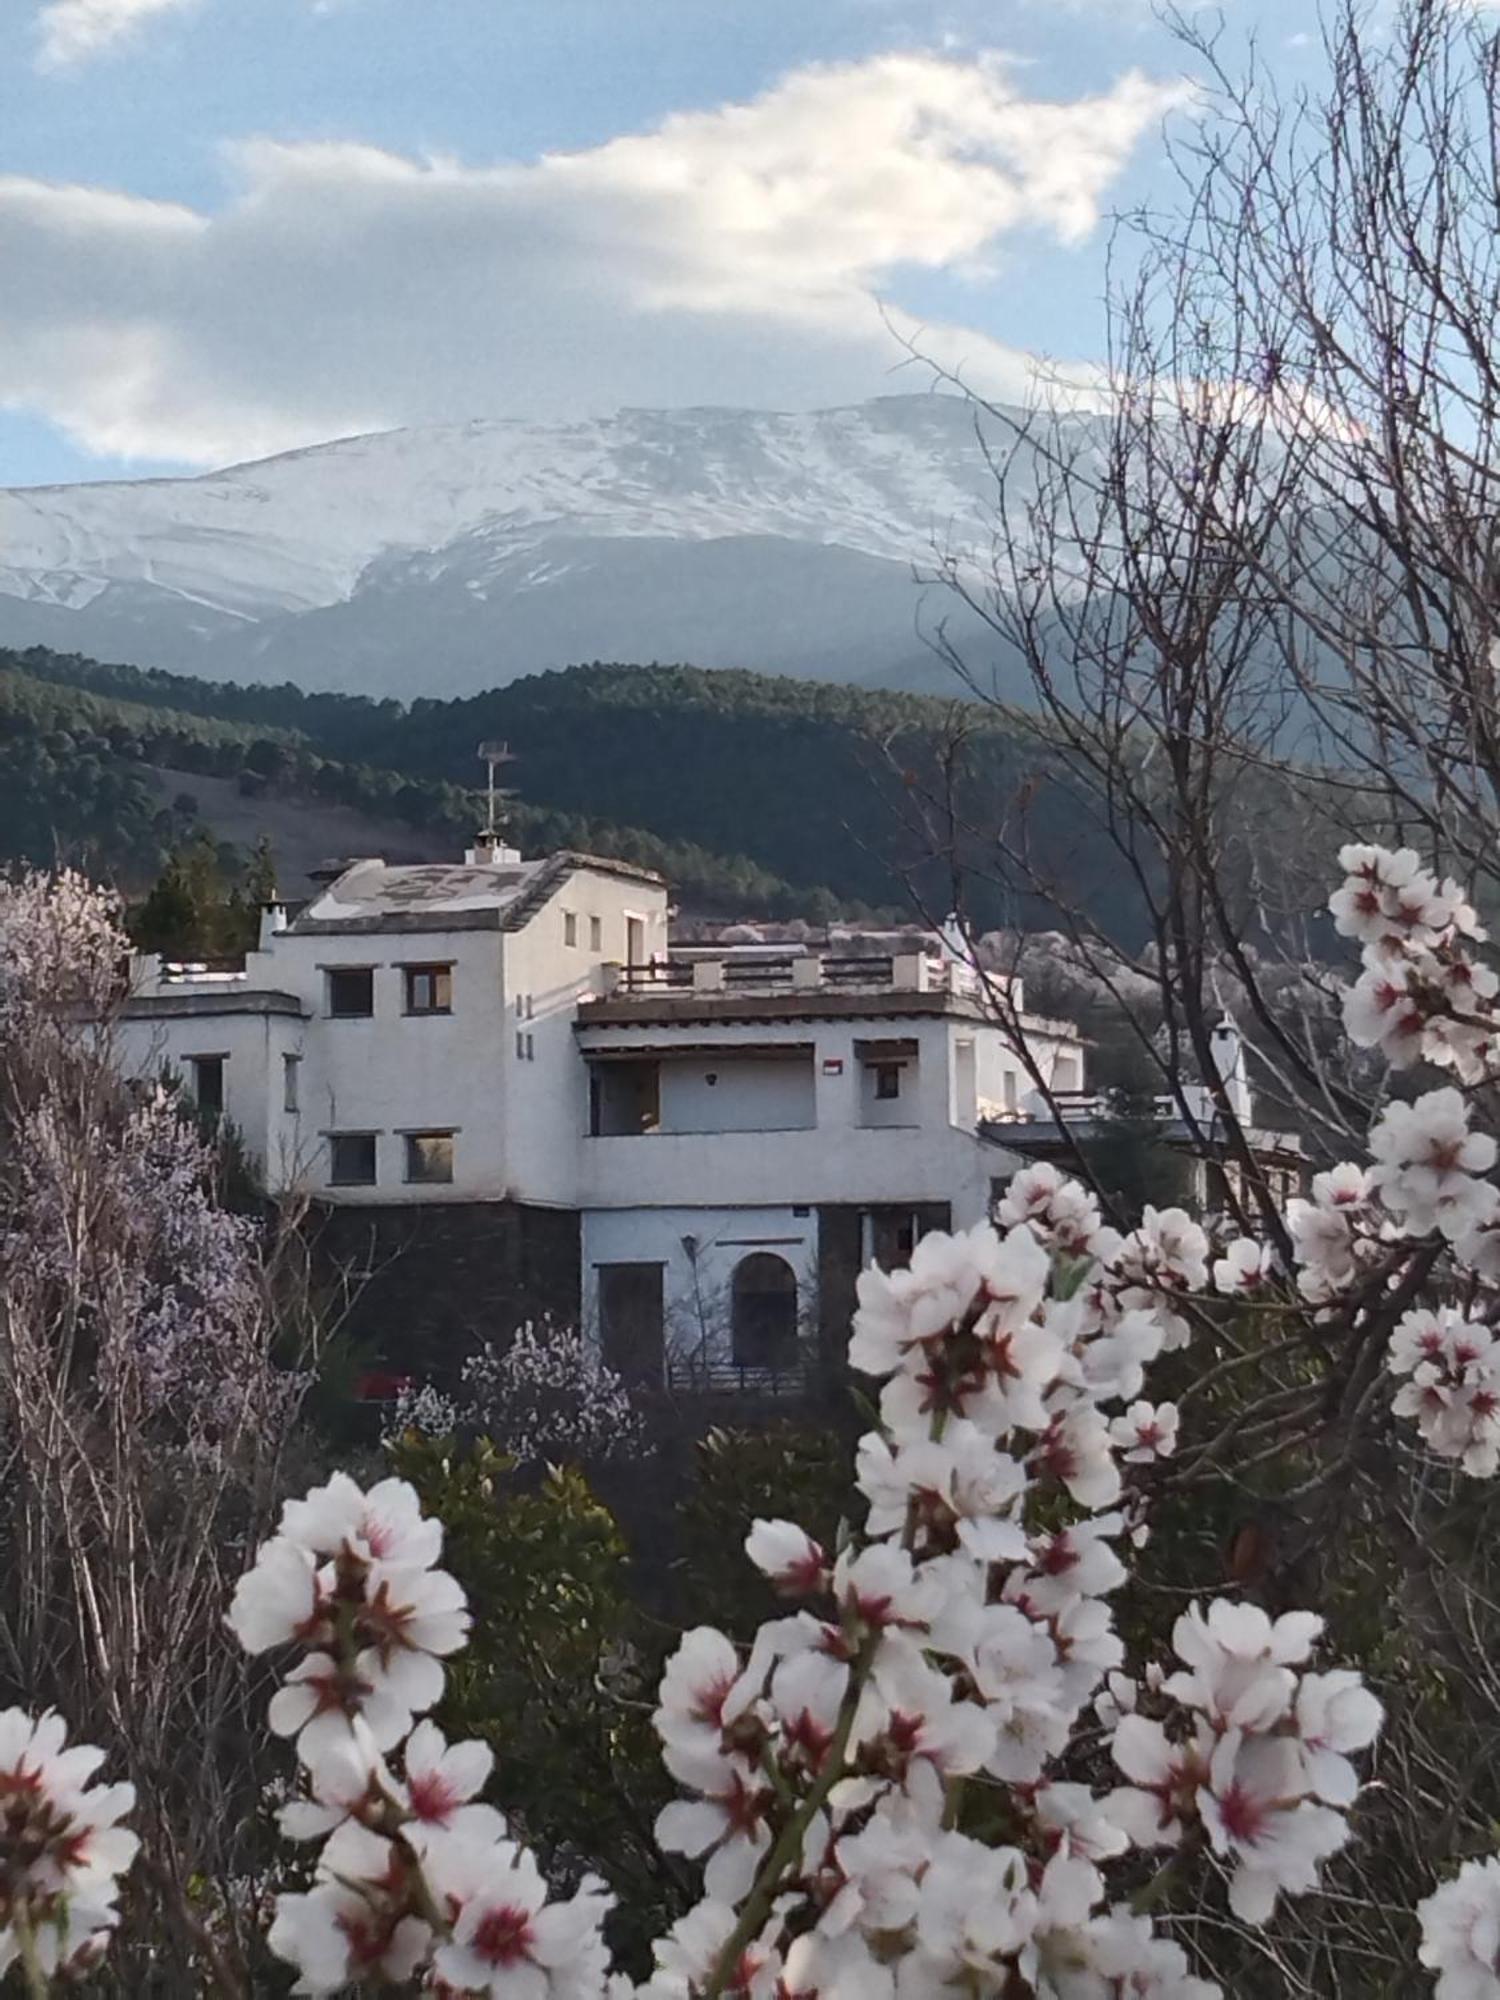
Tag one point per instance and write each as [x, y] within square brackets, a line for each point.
[141, 1411]
[545, 1395]
[940, 1771]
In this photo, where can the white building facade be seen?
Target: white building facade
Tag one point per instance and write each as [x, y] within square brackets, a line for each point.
[507, 1092]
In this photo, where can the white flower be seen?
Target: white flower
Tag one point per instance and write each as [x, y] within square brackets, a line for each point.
[1239, 1661]
[508, 1941]
[1168, 1250]
[1077, 1450]
[442, 1782]
[354, 1922]
[1117, 1954]
[1426, 1163]
[1014, 1665]
[702, 1692]
[1073, 1563]
[789, 1556]
[1062, 1213]
[1164, 1779]
[880, 1586]
[1334, 1713]
[1245, 1266]
[961, 1479]
[385, 1525]
[950, 1277]
[974, 1905]
[728, 1824]
[1070, 1814]
[345, 1777]
[321, 1700]
[1256, 1818]
[1453, 1386]
[278, 1600]
[1146, 1432]
[1461, 1933]
[62, 1848]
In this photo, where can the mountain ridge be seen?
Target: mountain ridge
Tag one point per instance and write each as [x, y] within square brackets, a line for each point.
[460, 556]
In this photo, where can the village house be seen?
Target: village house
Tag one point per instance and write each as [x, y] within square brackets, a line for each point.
[504, 1090]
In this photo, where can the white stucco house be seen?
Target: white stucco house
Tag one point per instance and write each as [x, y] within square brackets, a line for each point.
[503, 1089]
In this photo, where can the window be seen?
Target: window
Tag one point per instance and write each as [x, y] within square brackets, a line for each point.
[208, 1084]
[351, 1159]
[891, 1234]
[570, 927]
[763, 1312]
[429, 989]
[1009, 1089]
[520, 1046]
[887, 1080]
[624, 1097]
[596, 933]
[291, 1071]
[530, 1049]
[351, 992]
[632, 1322]
[429, 1158]
[635, 941]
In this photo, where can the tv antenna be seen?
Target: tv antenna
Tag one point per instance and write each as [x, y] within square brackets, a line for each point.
[494, 755]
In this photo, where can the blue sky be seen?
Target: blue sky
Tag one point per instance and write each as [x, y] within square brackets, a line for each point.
[229, 227]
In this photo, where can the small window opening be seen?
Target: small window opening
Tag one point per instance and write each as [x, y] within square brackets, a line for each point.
[351, 992]
[208, 1084]
[429, 1158]
[429, 989]
[352, 1159]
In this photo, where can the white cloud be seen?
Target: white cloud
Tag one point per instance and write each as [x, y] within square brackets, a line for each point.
[729, 256]
[71, 31]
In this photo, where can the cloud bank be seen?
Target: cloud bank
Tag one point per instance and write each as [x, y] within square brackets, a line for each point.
[71, 31]
[728, 256]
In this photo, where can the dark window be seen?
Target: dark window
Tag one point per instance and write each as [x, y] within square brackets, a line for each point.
[893, 1237]
[291, 1071]
[429, 1158]
[351, 1159]
[596, 933]
[570, 927]
[429, 989]
[351, 992]
[887, 1080]
[632, 1321]
[208, 1084]
[896, 1232]
[763, 1316]
[624, 1097]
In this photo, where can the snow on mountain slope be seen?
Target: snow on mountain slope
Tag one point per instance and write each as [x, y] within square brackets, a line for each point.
[439, 560]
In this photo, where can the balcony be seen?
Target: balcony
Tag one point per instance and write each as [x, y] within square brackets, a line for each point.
[688, 972]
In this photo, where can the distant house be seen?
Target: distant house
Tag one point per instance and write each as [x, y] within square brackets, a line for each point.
[1188, 1122]
[505, 1091]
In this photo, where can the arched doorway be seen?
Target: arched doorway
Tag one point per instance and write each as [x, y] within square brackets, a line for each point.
[763, 1318]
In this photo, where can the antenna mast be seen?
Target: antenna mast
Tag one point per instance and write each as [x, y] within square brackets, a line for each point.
[494, 755]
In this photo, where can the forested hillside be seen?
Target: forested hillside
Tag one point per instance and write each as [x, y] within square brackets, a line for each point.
[757, 796]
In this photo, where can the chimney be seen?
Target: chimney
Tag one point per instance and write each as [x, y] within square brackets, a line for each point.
[490, 851]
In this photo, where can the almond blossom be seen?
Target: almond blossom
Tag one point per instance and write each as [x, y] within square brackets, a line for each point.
[1460, 1925]
[62, 1847]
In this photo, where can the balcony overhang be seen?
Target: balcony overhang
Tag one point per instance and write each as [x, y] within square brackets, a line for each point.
[689, 1009]
[720, 1051]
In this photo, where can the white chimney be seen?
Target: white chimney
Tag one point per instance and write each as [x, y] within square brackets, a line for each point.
[489, 851]
[1227, 1052]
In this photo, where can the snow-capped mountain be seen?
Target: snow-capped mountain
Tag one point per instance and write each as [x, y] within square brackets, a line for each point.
[438, 561]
